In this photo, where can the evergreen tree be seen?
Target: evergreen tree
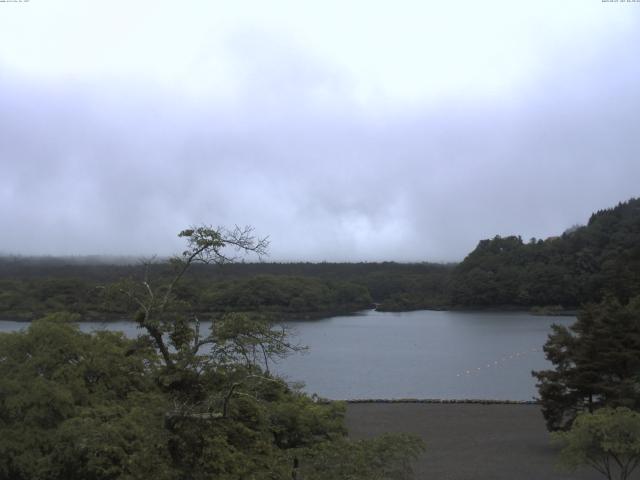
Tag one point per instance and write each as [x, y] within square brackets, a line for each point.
[596, 363]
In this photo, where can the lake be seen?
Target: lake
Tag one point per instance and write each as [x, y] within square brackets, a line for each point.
[421, 354]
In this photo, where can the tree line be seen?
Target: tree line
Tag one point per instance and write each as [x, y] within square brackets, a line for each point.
[178, 402]
[300, 289]
[584, 264]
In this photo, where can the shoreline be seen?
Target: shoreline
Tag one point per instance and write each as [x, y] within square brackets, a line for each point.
[93, 317]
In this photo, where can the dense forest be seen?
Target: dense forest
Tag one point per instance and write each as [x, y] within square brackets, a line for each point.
[176, 403]
[31, 287]
[581, 265]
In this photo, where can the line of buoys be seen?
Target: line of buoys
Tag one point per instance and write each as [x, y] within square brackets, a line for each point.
[495, 363]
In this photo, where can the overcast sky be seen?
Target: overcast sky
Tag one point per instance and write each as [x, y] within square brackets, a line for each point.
[356, 130]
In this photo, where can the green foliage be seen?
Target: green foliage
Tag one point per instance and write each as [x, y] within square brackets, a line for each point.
[76, 406]
[596, 363]
[387, 457]
[298, 423]
[175, 403]
[284, 294]
[279, 295]
[583, 265]
[28, 287]
[607, 440]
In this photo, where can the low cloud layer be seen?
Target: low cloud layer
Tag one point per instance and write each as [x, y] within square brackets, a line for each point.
[116, 166]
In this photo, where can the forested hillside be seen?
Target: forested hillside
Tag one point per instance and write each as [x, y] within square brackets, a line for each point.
[581, 265]
[30, 288]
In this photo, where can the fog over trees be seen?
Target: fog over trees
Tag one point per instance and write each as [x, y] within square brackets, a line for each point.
[349, 146]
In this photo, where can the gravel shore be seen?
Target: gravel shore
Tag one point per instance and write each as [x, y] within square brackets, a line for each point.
[469, 441]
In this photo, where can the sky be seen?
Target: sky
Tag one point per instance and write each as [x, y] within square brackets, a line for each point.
[343, 131]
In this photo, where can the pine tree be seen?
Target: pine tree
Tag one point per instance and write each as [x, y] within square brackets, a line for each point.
[596, 363]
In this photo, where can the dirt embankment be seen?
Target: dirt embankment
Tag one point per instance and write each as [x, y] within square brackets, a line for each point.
[469, 441]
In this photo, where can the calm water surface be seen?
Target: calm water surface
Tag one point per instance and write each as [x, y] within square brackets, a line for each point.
[422, 354]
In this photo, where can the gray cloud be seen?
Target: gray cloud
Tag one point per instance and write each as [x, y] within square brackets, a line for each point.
[119, 167]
